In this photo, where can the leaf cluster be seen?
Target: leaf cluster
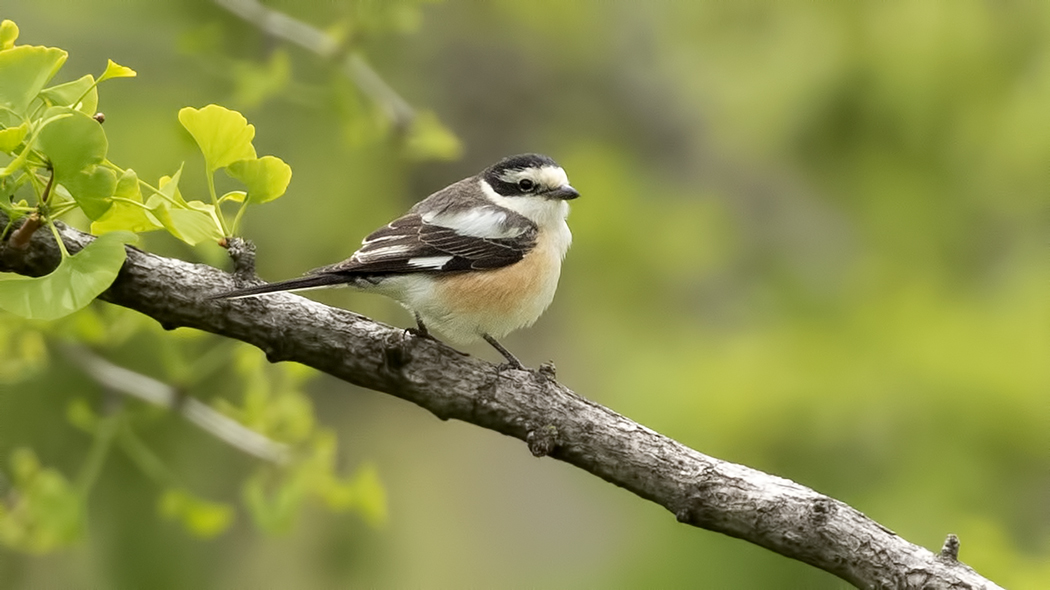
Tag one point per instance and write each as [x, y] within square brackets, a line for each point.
[54, 151]
[54, 164]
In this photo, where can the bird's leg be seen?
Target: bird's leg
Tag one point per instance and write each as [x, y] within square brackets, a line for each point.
[511, 359]
[420, 329]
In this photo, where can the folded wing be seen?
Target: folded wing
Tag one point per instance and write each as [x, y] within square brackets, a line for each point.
[473, 239]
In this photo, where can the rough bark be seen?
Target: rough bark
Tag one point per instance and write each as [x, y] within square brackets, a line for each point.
[736, 500]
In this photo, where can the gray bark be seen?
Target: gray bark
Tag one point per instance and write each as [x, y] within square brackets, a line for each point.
[699, 490]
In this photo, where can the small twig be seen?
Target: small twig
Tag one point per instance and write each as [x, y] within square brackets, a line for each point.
[950, 550]
[161, 394]
[282, 26]
[47, 189]
[401, 113]
[242, 252]
[20, 238]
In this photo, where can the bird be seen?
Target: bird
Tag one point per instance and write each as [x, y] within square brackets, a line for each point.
[475, 260]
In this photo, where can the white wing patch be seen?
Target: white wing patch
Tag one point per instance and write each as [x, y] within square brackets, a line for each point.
[481, 222]
[379, 253]
[434, 262]
[379, 239]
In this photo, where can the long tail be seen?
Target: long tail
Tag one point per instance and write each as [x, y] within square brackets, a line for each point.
[308, 282]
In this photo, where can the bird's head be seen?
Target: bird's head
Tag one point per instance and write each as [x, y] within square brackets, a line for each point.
[533, 185]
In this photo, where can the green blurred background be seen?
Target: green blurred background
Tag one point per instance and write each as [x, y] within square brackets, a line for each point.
[813, 239]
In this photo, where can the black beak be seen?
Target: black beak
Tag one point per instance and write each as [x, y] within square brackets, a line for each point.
[562, 192]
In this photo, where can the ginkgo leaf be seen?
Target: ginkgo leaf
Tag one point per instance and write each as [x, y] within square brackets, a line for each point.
[128, 212]
[224, 136]
[266, 178]
[44, 511]
[72, 141]
[201, 517]
[115, 70]
[77, 281]
[12, 137]
[80, 94]
[25, 70]
[8, 34]
[92, 189]
[233, 196]
[194, 225]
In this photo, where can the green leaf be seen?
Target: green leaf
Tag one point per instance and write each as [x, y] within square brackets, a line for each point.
[363, 493]
[9, 119]
[79, 413]
[12, 137]
[24, 70]
[46, 513]
[92, 189]
[72, 141]
[224, 136]
[16, 164]
[77, 281]
[191, 222]
[273, 512]
[254, 82]
[169, 187]
[234, 196]
[428, 139]
[194, 225]
[80, 94]
[128, 186]
[8, 34]
[370, 496]
[123, 215]
[115, 70]
[266, 178]
[127, 217]
[200, 517]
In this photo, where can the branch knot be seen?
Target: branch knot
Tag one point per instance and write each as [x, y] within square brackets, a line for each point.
[950, 550]
[543, 440]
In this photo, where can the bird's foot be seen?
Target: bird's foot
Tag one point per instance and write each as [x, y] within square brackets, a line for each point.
[511, 366]
[420, 333]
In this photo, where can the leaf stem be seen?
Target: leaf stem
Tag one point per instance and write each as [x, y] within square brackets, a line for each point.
[215, 201]
[47, 188]
[58, 238]
[62, 209]
[237, 218]
[130, 202]
[154, 191]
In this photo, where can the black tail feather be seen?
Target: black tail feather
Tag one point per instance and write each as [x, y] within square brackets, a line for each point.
[308, 282]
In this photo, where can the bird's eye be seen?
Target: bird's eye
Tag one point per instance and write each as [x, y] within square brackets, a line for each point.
[526, 185]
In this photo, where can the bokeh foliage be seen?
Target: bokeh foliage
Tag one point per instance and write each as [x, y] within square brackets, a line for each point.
[813, 239]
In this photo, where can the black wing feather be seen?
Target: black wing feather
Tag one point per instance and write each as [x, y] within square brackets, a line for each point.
[390, 249]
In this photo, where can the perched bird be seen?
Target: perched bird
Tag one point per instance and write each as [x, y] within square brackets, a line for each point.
[477, 259]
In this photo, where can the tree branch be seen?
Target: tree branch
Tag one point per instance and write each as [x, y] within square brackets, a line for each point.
[738, 501]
